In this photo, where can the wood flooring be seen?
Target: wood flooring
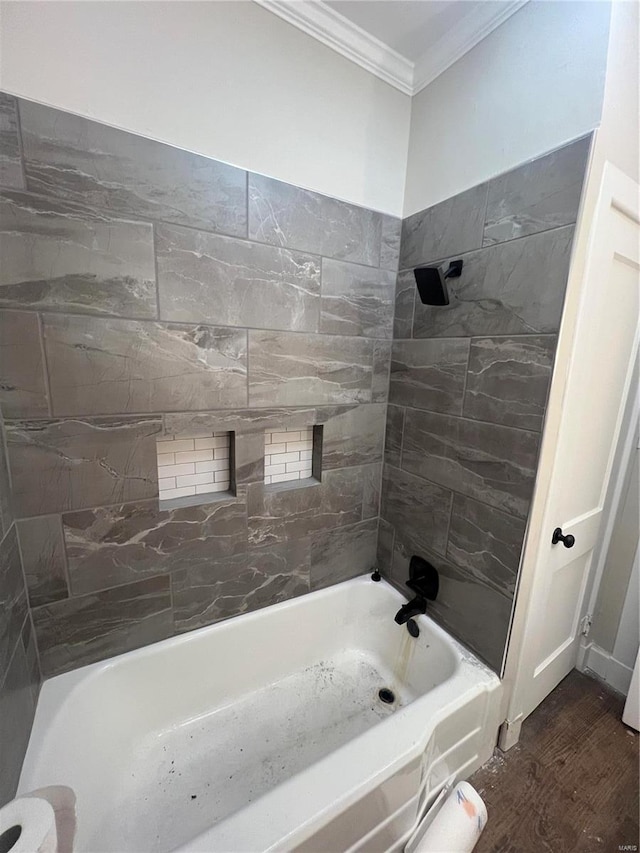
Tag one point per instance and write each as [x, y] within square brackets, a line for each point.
[571, 783]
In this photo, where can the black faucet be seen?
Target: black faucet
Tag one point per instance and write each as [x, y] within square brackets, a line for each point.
[413, 608]
[424, 581]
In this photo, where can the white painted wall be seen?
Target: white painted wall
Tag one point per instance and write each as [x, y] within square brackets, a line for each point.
[618, 138]
[225, 79]
[533, 84]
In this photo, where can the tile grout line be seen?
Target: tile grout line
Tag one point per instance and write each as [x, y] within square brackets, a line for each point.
[484, 215]
[466, 379]
[533, 432]
[449, 520]
[441, 260]
[154, 249]
[155, 417]
[99, 590]
[404, 423]
[29, 613]
[23, 168]
[57, 312]
[65, 553]
[3, 675]
[45, 365]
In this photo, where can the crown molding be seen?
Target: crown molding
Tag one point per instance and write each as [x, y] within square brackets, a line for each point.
[340, 34]
[337, 32]
[467, 34]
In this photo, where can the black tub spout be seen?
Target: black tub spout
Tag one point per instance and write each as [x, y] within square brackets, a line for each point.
[413, 608]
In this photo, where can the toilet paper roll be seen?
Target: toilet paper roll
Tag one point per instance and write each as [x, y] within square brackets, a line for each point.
[457, 826]
[32, 823]
[63, 802]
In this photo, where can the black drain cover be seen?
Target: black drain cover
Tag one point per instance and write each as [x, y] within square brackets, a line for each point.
[387, 696]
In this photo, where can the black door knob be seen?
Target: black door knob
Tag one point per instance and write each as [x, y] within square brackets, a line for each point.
[568, 541]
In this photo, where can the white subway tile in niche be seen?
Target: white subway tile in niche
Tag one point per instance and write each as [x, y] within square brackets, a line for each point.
[288, 454]
[196, 464]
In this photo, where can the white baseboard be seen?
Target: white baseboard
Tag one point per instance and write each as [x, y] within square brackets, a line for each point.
[605, 667]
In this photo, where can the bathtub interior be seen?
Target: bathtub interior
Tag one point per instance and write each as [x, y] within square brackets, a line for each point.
[162, 743]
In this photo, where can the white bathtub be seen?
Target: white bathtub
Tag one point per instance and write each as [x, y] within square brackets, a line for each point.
[266, 732]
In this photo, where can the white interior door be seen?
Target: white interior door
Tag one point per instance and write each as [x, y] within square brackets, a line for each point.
[592, 385]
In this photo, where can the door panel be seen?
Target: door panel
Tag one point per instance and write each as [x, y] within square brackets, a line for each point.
[593, 384]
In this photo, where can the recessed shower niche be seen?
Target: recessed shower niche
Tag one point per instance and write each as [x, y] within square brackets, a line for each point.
[292, 454]
[198, 464]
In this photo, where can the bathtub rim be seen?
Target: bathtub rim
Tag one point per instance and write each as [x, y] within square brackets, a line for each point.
[63, 684]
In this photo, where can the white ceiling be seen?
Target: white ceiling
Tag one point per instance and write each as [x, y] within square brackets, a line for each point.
[408, 43]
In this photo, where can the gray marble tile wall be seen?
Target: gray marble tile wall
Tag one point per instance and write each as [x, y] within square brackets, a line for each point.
[19, 667]
[468, 388]
[148, 290]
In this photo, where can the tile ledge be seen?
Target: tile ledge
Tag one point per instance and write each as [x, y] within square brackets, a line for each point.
[290, 485]
[203, 499]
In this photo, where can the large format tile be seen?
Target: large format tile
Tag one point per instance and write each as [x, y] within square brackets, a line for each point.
[75, 159]
[451, 227]
[381, 367]
[285, 215]
[393, 435]
[384, 554]
[208, 278]
[337, 555]
[372, 490]
[89, 628]
[62, 257]
[354, 436]
[120, 544]
[17, 710]
[13, 598]
[429, 374]
[486, 542]
[508, 379]
[514, 288]
[103, 366]
[22, 384]
[539, 195]
[284, 513]
[411, 504]
[278, 515]
[404, 304]
[390, 242]
[43, 559]
[491, 463]
[240, 584]
[10, 161]
[356, 300]
[294, 369]
[61, 465]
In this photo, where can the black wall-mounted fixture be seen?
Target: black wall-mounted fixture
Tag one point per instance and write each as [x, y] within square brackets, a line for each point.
[425, 582]
[432, 285]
